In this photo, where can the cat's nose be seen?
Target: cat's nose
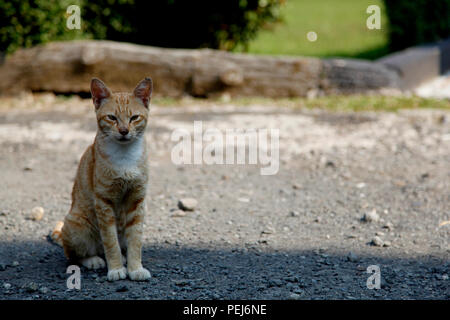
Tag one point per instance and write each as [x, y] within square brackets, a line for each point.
[123, 131]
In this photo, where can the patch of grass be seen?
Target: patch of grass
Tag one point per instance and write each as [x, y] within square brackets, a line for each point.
[167, 101]
[333, 103]
[375, 103]
[340, 26]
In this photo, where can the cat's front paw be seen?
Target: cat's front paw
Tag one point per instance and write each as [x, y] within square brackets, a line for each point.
[140, 274]
[117, 274]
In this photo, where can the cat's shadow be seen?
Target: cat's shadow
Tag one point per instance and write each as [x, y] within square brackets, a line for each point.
[180, 272]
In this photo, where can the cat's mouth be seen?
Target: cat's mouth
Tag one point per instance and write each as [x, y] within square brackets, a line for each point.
[124, 139]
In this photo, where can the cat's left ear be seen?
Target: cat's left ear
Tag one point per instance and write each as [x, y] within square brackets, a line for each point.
[99, 92]
[143, 91]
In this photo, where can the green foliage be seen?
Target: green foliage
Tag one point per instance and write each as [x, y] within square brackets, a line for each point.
[221, 24]
[27, 23]
[416, 22]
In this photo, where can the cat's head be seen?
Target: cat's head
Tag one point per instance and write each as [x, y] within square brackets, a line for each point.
[121, 117]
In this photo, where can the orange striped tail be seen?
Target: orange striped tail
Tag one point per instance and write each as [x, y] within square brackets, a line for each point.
[56, 233]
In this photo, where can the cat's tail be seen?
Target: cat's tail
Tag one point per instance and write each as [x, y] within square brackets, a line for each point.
[55, 236]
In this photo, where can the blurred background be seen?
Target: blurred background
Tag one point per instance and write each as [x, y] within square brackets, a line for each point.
[254, 26]
[321, 29]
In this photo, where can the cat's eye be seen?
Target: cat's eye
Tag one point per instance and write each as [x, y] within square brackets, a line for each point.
[111, 117]
[133, 118]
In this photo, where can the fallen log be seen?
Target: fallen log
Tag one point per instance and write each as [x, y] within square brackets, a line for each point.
[67, 67]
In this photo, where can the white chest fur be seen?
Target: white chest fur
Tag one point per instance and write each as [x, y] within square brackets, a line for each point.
[125, 158]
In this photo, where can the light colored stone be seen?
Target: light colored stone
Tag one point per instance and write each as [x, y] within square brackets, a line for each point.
[377, 242]
[187, 204]
[371, 216]
[294, 296]
[295, 214]
[43, 290]
[296, 186]
[178, 214]
[389, 226]
[37, 213]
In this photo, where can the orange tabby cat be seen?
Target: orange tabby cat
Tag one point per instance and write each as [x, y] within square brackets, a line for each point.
[108, 197]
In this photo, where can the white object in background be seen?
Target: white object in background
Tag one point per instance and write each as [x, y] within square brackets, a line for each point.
[436, 88]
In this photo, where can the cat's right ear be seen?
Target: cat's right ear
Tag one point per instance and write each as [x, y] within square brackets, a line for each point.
[99, 92]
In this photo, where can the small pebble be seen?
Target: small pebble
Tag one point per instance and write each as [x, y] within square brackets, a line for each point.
[178, 214]
[371, 216]
[182, 282]
[43, 290]
[37, 213]
[7, 286]
[15, 263]
[31, 287]
[295, 214]
[294, 296]
[361, 268]
[360, 185]
[388, 225]
[187, 204]
[268, 230]
[376, 241]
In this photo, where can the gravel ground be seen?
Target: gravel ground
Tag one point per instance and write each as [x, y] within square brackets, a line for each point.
[352, 190]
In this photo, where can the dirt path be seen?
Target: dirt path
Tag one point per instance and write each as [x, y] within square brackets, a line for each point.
[297, 234]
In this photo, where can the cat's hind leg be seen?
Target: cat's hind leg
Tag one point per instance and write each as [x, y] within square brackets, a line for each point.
[81, 244]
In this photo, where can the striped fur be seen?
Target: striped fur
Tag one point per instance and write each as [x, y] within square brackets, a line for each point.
[108, 197]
